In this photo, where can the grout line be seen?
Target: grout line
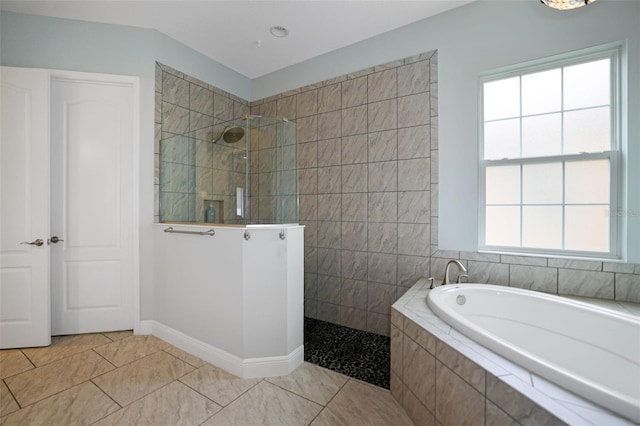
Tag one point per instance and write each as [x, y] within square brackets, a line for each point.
[12, 395]
[330, 400]
[266, 380]
[109, 396]
[28, 359]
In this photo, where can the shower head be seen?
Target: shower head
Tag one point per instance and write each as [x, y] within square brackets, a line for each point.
[231, 134]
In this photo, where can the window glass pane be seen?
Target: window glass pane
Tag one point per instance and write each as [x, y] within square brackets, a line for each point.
[542, 183]
[587, 85]
[502, 226]
[587, 228]
[587, 181]
[502, 99]
[541, 135]
[502, 139]
[542, 227]
[587, 130]
[541, 92]
[503, 185]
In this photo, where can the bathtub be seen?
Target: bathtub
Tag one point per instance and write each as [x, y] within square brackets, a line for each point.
[591, 351]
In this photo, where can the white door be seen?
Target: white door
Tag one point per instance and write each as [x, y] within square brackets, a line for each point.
[24, 208]
[92, 203]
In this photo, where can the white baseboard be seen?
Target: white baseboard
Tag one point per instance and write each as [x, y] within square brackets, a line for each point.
[246, 368]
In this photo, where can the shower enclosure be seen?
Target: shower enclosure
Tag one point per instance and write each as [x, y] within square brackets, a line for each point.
[242, 171]
[228, 251]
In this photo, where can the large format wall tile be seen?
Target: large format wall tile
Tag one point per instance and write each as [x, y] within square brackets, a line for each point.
[419, 373]
[516, 405]
[457, 402]
[354, 144]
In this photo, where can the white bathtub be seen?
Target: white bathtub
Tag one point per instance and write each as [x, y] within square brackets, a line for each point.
[591, 351]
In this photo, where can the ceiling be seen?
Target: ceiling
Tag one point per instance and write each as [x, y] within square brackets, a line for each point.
[228, 31]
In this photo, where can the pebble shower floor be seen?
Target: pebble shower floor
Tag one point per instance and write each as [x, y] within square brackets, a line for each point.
[354, 353]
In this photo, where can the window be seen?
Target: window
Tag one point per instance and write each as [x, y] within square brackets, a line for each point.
[549, 161]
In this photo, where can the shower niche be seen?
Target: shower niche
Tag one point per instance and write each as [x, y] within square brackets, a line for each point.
[238, 172]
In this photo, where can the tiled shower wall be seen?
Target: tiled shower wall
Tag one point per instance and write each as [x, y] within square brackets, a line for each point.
[368, 184]
[184, 104]
[367, 153]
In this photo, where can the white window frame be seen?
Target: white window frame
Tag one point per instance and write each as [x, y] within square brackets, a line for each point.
[615, 154]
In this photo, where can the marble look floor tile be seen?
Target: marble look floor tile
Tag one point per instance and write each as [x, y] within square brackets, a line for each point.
[7, 403]
[80, 405]
[312, 382]
[217, 385]
[12, 362]
[34, 385]
[185, 356]
[174, 404]
[266, 404]
[117, 335]
[362, 404]
[141, 377]
[131, 348]
[64, 346]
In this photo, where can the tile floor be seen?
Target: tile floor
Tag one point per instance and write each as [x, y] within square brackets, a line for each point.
[118, 378]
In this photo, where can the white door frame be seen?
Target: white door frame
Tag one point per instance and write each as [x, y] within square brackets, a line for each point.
[135, 84]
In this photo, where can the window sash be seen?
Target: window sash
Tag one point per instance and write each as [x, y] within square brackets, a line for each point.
[614, 160]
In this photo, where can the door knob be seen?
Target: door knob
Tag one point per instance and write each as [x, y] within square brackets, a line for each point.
[54, 240]
[37, 242]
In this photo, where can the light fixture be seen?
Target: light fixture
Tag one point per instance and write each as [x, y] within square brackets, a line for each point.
[566, 4]
[278, 31]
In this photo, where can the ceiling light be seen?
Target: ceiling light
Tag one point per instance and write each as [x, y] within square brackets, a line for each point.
[566, 4]
[279, 31]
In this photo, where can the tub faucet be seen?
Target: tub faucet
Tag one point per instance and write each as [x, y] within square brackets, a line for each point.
[460, 266]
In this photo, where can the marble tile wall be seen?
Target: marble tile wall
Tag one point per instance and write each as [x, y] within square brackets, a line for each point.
[367, 155]
[436, 384]
[184, 104]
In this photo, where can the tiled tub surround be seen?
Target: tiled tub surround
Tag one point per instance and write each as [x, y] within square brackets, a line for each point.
[439, 375]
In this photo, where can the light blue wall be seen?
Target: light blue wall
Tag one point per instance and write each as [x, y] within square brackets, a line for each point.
[44, 42]
[477, 37]
[480, 36]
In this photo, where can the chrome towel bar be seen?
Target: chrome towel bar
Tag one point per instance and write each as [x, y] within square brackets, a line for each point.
[210, 232]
